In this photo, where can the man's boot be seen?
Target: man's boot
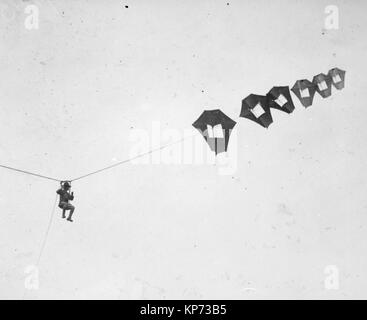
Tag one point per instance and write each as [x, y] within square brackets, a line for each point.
[70, 215]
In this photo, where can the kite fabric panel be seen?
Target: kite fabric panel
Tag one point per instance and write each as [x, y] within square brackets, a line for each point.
[216, 129]
[257, 109]
[323, 84]
[305, 91]
[337, 78]
[280, 99]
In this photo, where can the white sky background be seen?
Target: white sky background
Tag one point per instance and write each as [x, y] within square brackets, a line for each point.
[73, 90]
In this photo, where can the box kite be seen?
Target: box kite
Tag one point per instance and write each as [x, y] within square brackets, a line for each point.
[323, 84]
[256, 108]
[305, 91]
[216, 129]
[337, 77]
[280, 99]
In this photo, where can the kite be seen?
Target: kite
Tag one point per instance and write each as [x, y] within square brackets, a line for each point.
[280, 99]
[216, 129]
[337, 77]
[305, 91]
[256, 108]
[323, 84]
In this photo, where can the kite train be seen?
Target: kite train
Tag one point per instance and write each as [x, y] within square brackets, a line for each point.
[216, 127]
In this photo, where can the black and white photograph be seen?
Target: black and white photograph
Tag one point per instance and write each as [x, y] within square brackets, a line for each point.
[176, 150]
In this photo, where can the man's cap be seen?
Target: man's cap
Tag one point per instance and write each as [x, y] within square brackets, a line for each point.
[66, 185]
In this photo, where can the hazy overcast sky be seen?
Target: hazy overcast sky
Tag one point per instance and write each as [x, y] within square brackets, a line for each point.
[73, 90]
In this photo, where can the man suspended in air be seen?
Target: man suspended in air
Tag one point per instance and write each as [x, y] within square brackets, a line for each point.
[65, 197]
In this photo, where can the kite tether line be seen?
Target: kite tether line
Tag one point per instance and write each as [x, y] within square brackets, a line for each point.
[100, 170]
[47, 232]
[131, 159]
[29, 173]
[43, 245]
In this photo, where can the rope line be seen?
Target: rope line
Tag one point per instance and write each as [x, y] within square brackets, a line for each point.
[47, 232]
[29, 173]
[130, 159]
[100, 170]
[43, 243]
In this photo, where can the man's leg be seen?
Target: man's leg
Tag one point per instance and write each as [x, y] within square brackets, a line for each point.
[71, 208]
[63, 206]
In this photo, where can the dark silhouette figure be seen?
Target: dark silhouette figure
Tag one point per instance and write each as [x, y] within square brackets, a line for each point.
[65, 197]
